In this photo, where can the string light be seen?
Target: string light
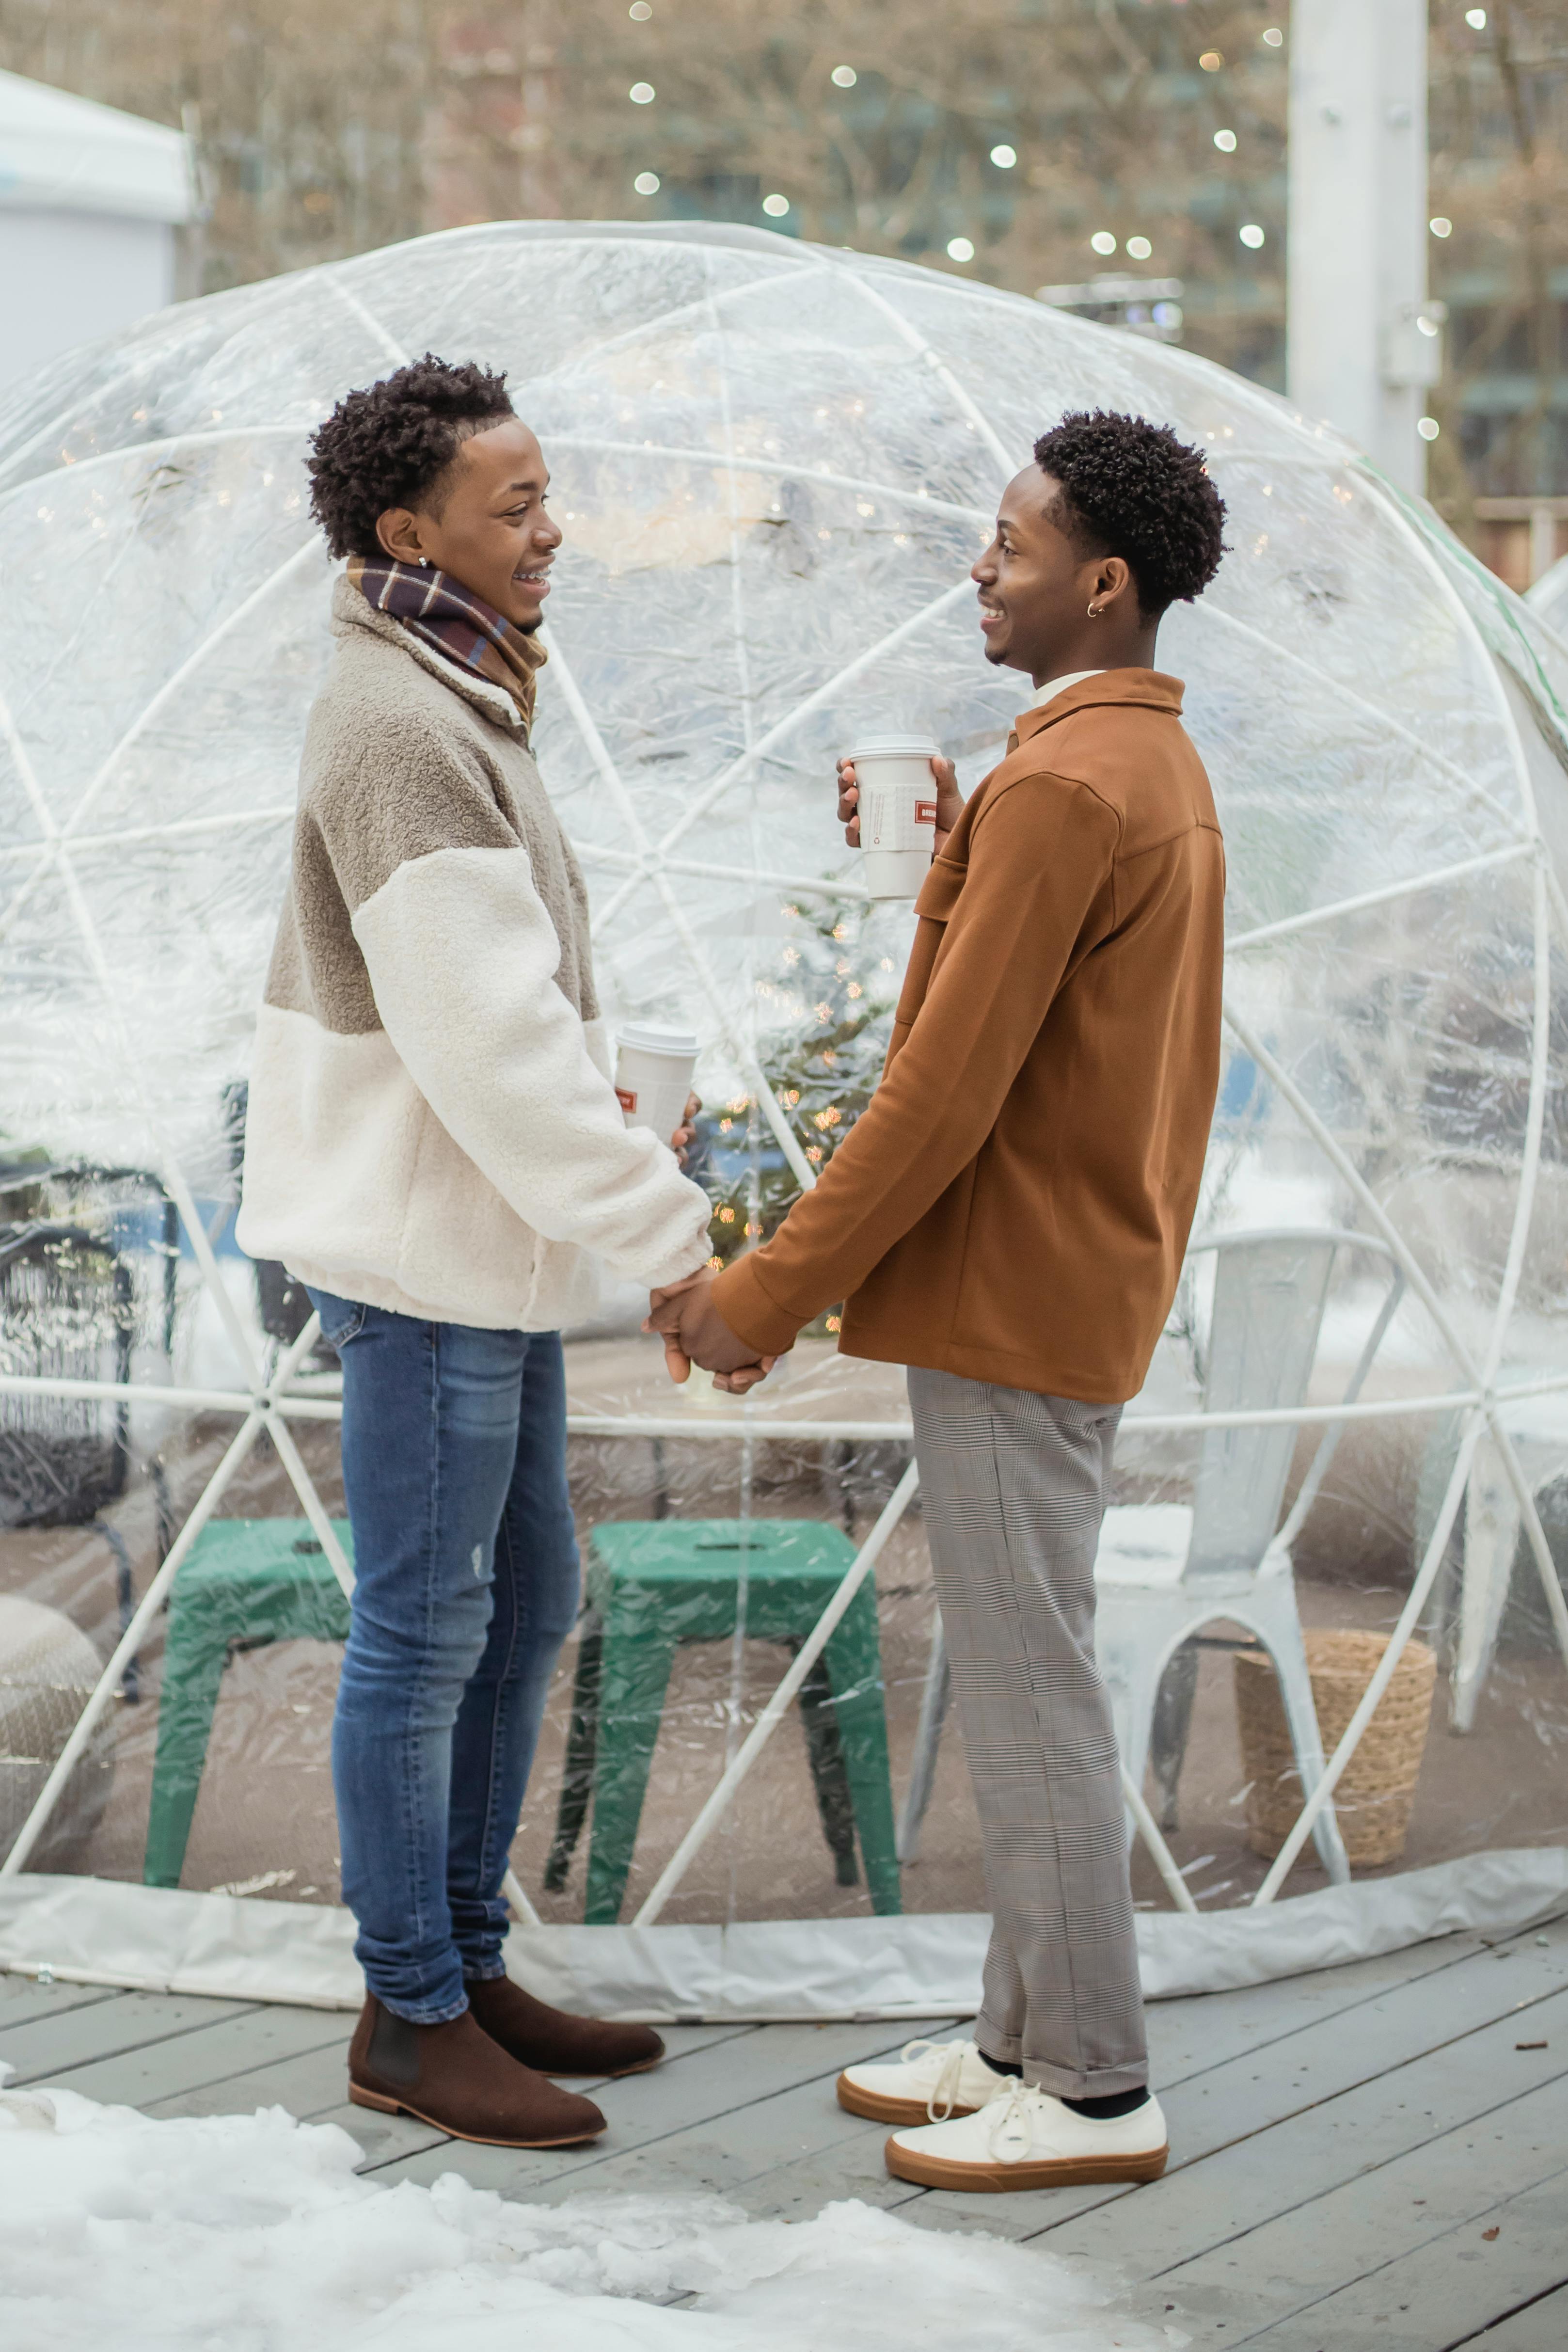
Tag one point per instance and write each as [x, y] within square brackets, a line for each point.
[1004, 157]
[641, 93]
[1252, 236]
[776, 206]
[845, 77]
[960, 249]
[1226, 142]
[1211, 61]
[1139, 248]
[646, 183]
[1274, 38]
[1427, 428]
[1103, 241]
[1441, 226]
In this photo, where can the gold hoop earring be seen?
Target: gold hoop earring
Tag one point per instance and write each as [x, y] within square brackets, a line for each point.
[1094, 612]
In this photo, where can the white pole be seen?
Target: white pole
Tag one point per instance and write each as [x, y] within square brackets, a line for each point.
[1372, 1696]
[1359, 350]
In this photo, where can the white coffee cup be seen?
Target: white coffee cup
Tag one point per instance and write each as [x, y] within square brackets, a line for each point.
[897, 811]
[653, 1075]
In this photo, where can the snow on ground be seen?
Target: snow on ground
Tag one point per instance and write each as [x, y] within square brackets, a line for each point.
[253, 2234]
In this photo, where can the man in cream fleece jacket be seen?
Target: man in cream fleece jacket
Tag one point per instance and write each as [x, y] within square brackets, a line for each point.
[436, 1149]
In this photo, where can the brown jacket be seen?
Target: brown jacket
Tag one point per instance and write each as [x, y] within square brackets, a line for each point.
[1014, 1203]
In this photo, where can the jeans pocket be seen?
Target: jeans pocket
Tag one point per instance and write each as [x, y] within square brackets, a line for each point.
[341, 1318]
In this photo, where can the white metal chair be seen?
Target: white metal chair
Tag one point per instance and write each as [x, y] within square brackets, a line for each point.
[1165, 1571]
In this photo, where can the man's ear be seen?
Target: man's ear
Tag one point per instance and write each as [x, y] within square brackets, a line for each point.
[1112, 581]
[398, 531]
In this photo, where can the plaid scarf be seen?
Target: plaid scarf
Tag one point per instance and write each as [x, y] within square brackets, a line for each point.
[435, 606]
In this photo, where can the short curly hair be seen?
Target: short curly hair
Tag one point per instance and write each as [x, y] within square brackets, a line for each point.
[389, 445]
[1131, 488]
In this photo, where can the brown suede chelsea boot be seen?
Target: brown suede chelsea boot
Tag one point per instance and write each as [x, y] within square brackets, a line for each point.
[537, 2035]
[455, 2077]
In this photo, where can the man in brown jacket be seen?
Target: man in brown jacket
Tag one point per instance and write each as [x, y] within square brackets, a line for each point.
[1008, 1218]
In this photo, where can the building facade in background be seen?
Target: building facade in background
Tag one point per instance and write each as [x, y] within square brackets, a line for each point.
[1110, 150]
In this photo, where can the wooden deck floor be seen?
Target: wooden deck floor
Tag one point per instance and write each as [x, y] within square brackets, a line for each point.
[1372, 2157]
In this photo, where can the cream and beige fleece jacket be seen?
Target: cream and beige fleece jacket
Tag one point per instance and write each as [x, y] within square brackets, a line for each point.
[431, 1125]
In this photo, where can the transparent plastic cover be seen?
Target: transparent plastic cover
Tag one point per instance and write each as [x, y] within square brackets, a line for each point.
[773, 465]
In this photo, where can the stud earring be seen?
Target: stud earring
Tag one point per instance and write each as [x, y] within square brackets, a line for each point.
[425, 562]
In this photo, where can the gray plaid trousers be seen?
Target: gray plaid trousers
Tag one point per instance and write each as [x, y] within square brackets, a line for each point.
[1014, 1489]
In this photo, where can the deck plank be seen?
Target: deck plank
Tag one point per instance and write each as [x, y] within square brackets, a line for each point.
[1275, 2283]
[1539, 2327]
[1436, 2295]
[1207, 2204]
[213, 2053]
[131, 2020]
[22, 1999]
[1200, 2031]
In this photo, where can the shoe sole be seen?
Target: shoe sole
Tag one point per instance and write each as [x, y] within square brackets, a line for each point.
[360, 2097]
[588, 2075]
[1056, 2172]
[879, 2107]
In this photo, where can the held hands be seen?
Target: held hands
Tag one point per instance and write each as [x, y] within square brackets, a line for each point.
[949, 802]
[695, 1332]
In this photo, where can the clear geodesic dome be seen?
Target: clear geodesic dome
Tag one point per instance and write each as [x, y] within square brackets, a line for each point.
[773, 465]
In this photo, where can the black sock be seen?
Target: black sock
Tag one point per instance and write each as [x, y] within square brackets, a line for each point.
[1004, 2066]
[1115, 2103]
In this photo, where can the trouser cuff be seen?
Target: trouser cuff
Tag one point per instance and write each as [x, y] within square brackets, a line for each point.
[1061, 2082]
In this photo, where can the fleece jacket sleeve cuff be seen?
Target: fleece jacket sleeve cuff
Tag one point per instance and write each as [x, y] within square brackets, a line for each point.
[754, 1315]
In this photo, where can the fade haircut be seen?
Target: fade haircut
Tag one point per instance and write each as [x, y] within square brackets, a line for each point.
[390, 444]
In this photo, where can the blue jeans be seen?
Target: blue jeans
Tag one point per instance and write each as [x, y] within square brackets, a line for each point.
[466, 1586]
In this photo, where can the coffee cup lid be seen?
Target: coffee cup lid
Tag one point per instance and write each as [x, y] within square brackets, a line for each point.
[649, 1037]
[893, 747]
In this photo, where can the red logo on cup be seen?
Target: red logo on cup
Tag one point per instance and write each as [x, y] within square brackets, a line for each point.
[627, 1099]
[924, 812]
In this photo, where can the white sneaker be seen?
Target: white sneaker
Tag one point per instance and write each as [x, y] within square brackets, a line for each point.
[927, 2083]
[1027, 2139]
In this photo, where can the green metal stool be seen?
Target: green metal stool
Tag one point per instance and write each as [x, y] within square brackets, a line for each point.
[244, 1582]
[654, 1584]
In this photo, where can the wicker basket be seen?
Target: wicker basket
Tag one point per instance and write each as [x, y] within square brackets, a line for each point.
[1375, 1796]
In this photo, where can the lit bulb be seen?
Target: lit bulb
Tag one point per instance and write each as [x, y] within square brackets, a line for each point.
[1004, 157]
[1252, 236]
[646, 183]
[1476, 18]
[1139, 247]
[776, 206]
[845, 77]
[1274, 38]
[960, 249]
[1441, 226]
[1427, 428]
[1211, 61]
[1226, 142]
[638, 12]
[1103, 241]
[641, 93]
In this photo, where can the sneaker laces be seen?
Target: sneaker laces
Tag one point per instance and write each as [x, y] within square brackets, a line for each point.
[949, 2057]
[1010, 2119]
